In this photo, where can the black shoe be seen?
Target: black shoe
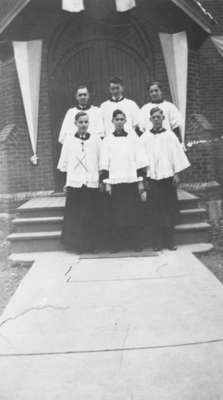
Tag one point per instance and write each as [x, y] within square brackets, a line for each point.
[157, 248]
[172, 248]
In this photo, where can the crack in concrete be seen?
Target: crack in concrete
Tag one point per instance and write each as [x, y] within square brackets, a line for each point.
[28, 310]
[113, 350]
[69, 270]
[123, 345]
[159, 267]
[127, 279]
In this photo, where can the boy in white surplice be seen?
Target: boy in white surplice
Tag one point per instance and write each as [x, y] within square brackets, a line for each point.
[118, 100]
[80, 160]
[123, 164]
[166, 159]
[172, 118]
[83, 103]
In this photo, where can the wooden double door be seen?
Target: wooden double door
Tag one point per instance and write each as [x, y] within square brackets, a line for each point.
[91, 52]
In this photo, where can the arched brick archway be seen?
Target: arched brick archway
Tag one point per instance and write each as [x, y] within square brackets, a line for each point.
[91, 53]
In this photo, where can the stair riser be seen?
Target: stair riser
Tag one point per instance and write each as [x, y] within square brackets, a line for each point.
[193, 218]
[58, 212]
[35, 245]
[189, 204]
[28, 227]
[190, 237]
[28, 246]
[57, 226]
[40, 227]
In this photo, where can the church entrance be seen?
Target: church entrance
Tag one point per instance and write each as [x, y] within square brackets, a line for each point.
[90, 52]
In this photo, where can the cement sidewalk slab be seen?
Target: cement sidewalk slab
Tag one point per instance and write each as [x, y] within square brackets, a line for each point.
[128, 328]
[177, 373]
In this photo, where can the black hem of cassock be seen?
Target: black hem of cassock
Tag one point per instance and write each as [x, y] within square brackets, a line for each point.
[81, 219]
[124, 216]
[163, 203]
[125, 206]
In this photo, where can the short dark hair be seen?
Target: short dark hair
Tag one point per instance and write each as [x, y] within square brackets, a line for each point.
[116, 80]
[155, 109]
[117, 112]
[157, 83]
[79, 115]
[82, 87]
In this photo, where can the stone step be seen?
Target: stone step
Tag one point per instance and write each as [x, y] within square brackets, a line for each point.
[40, 212]
[48, 241]
[193, 215]
[35, 241]
[44, 212]
[54, 206]
[29, 258]
[54, 223]
[187, 200]
[38, 224]
[192, 233]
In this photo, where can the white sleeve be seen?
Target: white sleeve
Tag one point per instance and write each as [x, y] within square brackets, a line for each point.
[67, 126]
[63, 160]
[147, 149]
[135, 114]
[140, 154]
[102, 112]
[178, 159]
[174, 116]
[99, 123]
[104, 155]
[142, 119]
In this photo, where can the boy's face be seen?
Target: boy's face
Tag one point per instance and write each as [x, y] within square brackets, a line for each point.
[116, 90]
[155, 93]
[82, 124]
[82, 97]
[119, 121]
[157, 120]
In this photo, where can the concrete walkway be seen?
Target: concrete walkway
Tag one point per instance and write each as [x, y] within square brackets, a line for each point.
[144, 328]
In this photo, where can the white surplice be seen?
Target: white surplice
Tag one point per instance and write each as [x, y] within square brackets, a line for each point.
[95, 122]
[165, 154]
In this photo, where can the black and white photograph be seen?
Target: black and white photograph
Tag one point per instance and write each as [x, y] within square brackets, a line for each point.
[111, 199]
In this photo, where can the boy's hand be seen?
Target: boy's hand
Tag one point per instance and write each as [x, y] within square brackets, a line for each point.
[143, 196]
[108, 189]
[101, 187]
[141, 187]
[142, 191]
[176, 180]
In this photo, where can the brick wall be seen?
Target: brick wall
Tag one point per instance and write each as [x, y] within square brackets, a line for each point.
[19, 174]
[205, 94]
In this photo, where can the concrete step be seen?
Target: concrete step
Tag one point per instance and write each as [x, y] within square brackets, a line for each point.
[192, 233]
[192, 215]
[38, 224]
[44, 212]
[54, 223]
[35, 241]
[50, 240]
[29, 258]
[187, 200]
[54, 206]
[40, 212]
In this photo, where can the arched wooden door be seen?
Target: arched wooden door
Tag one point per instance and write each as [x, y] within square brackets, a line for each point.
[94, 61]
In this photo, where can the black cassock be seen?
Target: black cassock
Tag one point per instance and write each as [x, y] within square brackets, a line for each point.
[81, 229]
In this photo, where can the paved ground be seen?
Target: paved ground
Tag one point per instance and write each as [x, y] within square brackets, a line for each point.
[9, 277]
[114, 329]
[214, 262]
